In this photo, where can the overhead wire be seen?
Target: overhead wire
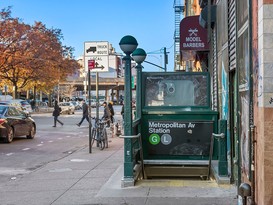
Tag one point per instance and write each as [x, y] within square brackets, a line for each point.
[160, 50]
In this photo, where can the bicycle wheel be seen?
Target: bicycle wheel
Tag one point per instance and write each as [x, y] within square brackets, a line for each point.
[105, 137]
[101, 143]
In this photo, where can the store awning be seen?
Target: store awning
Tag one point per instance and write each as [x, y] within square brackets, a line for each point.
[193, 37]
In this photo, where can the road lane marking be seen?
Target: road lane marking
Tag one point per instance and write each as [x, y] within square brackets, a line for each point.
[50, 141]
[39, 145]
[12, 171]
[79, 160]
[61, 170]
[25, 149]
[9, 154]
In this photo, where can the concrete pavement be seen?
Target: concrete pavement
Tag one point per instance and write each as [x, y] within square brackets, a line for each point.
[82, 178]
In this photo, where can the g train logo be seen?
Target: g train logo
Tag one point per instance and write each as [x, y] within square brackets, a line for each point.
[155, 139]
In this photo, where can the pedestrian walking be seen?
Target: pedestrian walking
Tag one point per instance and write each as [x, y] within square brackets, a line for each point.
[111, 109]
[84, 113]
[56, 112]
[32, 103]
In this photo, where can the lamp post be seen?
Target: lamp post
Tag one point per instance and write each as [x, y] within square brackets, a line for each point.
[128, 44]
[139, 56]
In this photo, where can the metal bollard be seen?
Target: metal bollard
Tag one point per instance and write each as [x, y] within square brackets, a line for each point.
[244, 191]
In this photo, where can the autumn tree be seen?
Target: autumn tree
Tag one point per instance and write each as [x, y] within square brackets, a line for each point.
[32, 55]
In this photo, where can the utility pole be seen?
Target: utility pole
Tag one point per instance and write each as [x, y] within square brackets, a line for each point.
[165, 59]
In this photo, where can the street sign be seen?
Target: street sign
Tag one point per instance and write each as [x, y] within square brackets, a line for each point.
[91, 64]
[97, 51]
[97, 48]
[101, 63]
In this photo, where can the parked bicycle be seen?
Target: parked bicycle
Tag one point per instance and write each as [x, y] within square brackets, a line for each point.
[99, 133]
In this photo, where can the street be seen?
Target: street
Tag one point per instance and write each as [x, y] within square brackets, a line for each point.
[50, 143]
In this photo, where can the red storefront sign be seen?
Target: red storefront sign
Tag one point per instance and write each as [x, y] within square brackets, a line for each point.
[192, 36]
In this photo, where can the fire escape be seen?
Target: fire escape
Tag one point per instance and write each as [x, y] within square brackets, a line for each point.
[178, 10]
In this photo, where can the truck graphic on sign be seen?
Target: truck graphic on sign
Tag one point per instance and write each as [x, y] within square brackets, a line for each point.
[91, 49]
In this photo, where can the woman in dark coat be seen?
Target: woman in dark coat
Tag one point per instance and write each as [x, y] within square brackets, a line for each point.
[56, 113]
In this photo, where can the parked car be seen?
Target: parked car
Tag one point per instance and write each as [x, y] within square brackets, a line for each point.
[67, 108]
[101, 101]
[43, 107]
[12, 103]
[5, 97]
[77, 105]
[19, 104]
[93, 102]
[25, 105]
[15, 123]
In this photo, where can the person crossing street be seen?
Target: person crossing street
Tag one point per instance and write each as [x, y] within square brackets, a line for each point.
[56, 113]
[84, 113]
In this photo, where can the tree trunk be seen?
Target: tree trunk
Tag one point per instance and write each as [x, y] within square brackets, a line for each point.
[34, 92]
[15, 91]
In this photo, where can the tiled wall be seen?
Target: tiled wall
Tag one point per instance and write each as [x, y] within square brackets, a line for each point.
[265, 49]
[264, 121]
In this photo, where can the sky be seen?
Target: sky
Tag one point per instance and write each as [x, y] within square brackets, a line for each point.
[151, 22]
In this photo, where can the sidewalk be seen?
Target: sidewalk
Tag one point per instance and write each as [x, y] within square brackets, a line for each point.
[82, 178]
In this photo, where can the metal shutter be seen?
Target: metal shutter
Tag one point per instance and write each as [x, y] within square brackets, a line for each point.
[214, 71]
[232, 34]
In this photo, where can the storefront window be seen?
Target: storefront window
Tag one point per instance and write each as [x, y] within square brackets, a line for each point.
[243, 9]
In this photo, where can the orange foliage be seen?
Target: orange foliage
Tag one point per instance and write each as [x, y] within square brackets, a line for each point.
[32, 54]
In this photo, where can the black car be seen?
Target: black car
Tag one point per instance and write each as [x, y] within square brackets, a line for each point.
[14, 123]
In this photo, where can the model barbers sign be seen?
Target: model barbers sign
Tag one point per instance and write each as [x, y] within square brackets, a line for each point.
[192, 35]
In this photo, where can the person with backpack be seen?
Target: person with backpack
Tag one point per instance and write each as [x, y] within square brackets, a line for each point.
[111, 109]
